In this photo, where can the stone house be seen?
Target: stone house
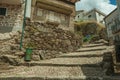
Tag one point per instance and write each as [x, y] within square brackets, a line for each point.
[116, 33]
[11, 15]
[80, 15]
[94, 15]
[58, 12]
[111, 21]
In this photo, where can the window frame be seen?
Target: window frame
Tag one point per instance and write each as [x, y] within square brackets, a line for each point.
[89, 16]
[5, 11]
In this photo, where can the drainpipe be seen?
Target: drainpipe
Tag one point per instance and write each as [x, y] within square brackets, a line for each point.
[23, 26]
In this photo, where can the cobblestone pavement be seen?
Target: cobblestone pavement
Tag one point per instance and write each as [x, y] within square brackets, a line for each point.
[78, 65]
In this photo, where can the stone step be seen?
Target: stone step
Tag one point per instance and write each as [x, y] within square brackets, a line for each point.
[100, 48]
[65, 65]
[77, 56]
[83, 54]
[117, 69]
[5, 67]
[54, 71]
[83, 50]
[62, 78]
[93, 45]
[99, 42]
[81, 61]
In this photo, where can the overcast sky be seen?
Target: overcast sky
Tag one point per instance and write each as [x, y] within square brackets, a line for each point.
[106, 6]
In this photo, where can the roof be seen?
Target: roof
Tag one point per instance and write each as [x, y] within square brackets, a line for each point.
[110, 13]
[80, 11]
[96, 10]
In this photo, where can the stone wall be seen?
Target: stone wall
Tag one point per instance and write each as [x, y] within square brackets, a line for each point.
[12, 21]
[43, 36]
[47, 41]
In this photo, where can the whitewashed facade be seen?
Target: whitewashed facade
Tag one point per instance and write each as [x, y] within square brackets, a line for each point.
[79, 15]
[94, 15]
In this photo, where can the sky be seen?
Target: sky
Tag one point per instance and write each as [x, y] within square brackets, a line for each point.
[113, 2]
[106, 6]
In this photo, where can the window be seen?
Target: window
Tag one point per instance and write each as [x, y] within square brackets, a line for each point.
[89, 16]
[3, 11]
[117, 37]
[101, 21]
[99, 14]
[39, 12]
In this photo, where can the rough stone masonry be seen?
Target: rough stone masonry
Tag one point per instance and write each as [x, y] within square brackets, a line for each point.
[49, 41]
[46, 40]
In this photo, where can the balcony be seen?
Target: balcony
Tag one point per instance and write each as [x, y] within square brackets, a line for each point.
[53, 6]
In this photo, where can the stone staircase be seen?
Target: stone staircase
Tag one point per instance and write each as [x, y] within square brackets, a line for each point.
[84, 64]
[5, 67]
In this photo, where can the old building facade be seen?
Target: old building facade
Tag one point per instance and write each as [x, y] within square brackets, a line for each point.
[111, 25]
[116, 33]
[94, 15]
[11, 15]
[113, 30]
[59, 12]
[112, 22]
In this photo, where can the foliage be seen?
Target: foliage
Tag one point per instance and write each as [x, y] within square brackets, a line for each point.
[90, 28]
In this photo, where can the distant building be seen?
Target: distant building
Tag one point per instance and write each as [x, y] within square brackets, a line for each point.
[111, 22]
[80, 15]
[94, 15]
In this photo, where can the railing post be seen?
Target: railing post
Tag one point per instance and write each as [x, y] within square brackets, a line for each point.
[23, 27]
